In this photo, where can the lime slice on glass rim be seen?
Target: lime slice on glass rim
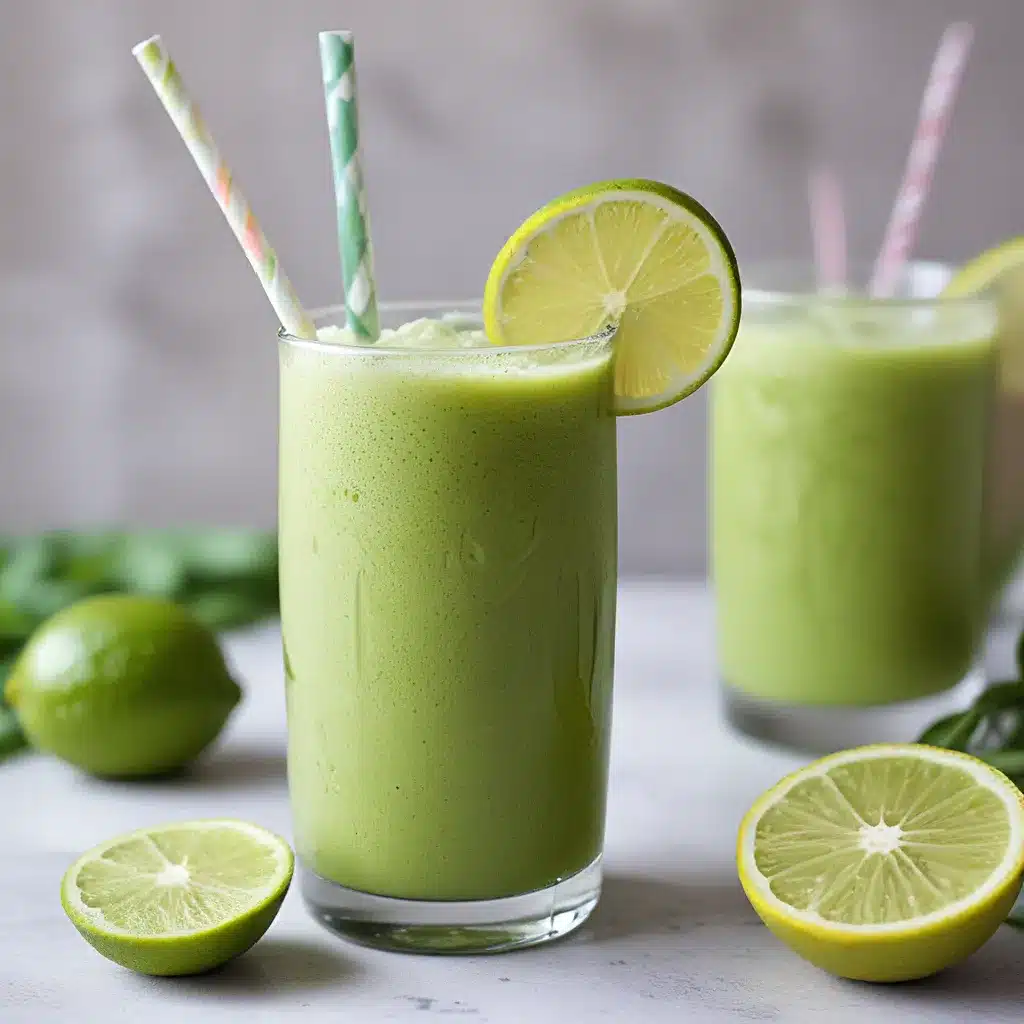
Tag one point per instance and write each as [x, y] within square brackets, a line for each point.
[180, 898]
[885, 863]
[1000, 272]
[635, 253]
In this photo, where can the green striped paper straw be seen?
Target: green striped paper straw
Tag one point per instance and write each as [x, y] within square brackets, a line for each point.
[156, 62]
[337, 60]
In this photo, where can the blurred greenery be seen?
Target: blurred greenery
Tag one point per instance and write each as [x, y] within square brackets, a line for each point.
[226, 577]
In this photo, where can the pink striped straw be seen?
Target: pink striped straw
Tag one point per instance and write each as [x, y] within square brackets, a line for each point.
[939, 93]
[828, 228]
[156, 62]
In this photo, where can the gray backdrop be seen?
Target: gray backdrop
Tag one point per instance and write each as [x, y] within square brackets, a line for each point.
[137, 363]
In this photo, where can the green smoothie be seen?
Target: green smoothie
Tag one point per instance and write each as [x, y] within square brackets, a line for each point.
[448, 566]
[848, 460]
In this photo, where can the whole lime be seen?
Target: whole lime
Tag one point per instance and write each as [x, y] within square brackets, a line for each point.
[122, 685]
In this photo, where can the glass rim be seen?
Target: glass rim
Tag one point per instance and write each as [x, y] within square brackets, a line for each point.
[782, 298]
[426, 307]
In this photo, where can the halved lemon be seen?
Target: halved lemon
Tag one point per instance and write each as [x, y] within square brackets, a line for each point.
[1000, 271]
[637, 254]
[887, 862]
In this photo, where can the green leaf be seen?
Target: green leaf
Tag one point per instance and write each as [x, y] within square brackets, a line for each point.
[1001, 696]
[1016, 915]
[228, 608]
[151, 564]
[15, 627]
[12, 739]
[90, 558]
[48, 597]
[32, 561]
[1009, 762]
[224, 554]
[953, 732]
[994, 722]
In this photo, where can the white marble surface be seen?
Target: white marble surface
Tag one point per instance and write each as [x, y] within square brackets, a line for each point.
[672, 940]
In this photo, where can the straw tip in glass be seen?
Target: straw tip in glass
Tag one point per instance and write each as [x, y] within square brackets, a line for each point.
[343, 34]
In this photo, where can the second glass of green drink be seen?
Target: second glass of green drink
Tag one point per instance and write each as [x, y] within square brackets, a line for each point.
[448, 571]
[849, 440]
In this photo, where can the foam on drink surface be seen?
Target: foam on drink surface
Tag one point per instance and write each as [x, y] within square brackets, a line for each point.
[426, 334]
[457, 345]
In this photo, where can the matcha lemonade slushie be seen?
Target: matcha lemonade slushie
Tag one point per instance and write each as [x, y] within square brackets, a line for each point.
[448, 569]
[848, 452]
[448, 543]
[447, 531]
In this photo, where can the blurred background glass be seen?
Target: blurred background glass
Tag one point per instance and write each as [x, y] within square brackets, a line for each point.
[137, 353]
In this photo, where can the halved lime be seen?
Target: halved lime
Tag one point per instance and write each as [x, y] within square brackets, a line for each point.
[885, 863]
[1000, 271]
[180, 898]
[638, 254]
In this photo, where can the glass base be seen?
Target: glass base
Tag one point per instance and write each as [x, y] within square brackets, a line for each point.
[824, 729]
[452, 927]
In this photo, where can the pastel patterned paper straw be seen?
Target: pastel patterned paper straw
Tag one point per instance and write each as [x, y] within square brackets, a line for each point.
[337, 60]
[167, 83]
[828, 228]
[939, 93]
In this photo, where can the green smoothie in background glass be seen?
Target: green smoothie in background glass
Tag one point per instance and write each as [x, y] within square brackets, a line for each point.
[848, 451]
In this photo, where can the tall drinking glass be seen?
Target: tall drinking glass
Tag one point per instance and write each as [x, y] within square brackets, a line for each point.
[448, 570]
[849, 440]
